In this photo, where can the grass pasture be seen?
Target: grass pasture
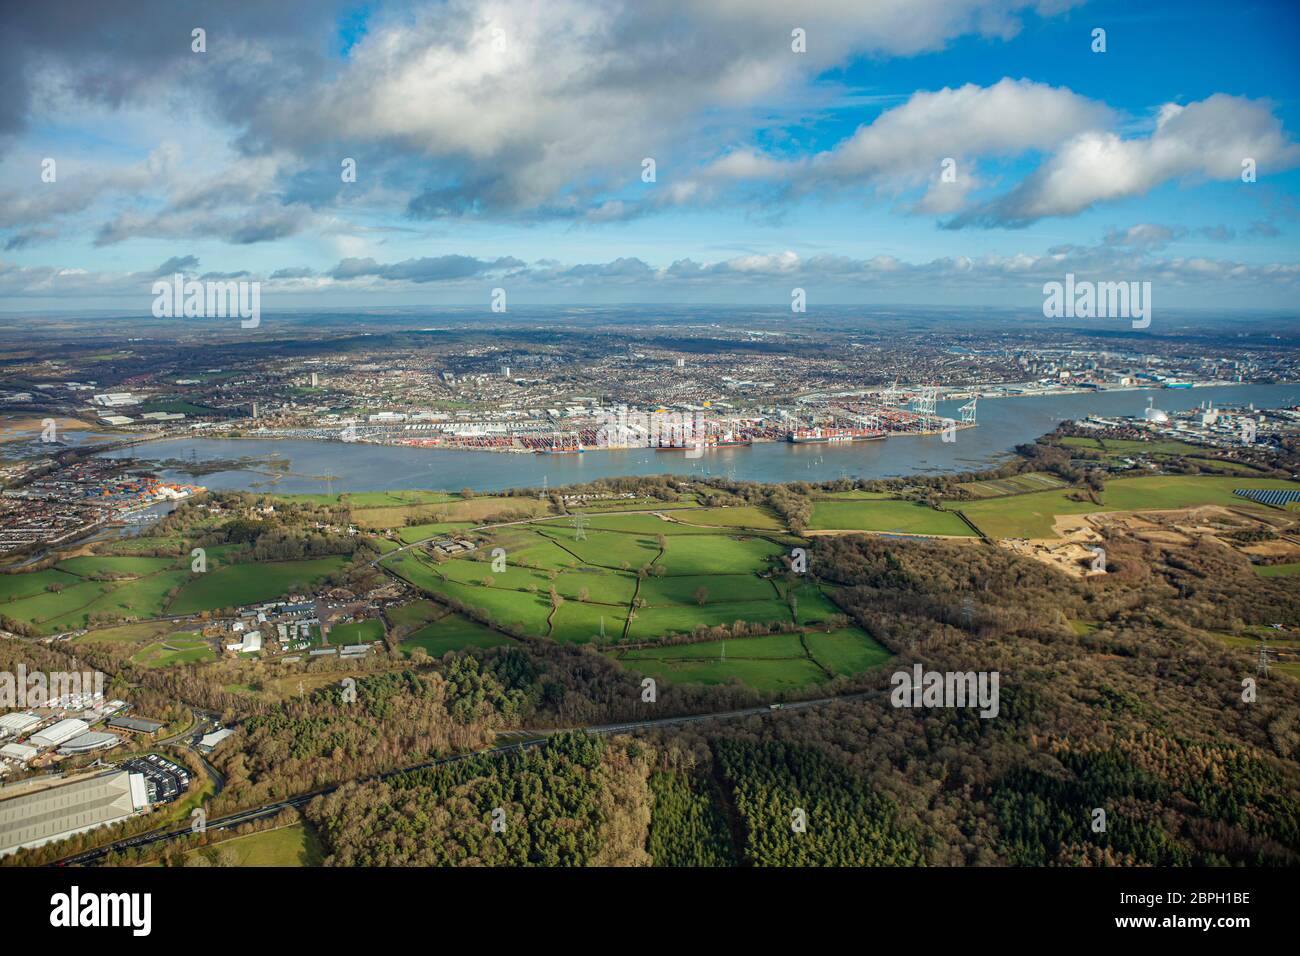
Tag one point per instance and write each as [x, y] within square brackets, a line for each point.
[546, 556]
[717, 554]
[1032, 515]
[846, 651]
[886, 516]
[239, 584]
[746, 517]
[357, 632]
[1291, 569]
[654, 622]
[419, 532]
[452, 633]
[1015, 485]
[414, 614]
[682, 588]
[184, 648]
[295, 845]
[603, 549]
[16, 586]
[650, 525]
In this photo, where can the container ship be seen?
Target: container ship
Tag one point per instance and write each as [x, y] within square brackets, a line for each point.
[562, 450]
[726, 441]
[817, 436]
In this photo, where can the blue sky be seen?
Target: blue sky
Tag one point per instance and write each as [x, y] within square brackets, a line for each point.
[500, 144]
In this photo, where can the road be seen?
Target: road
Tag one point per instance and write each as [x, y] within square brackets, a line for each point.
[534, 738]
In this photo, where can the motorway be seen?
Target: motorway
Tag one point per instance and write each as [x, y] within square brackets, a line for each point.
[533, 738]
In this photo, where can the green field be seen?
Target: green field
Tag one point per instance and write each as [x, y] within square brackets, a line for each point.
[774, 663]
[413, 614]
[452, 633]
[654, 622]
[746, 517]
[604, 549]
[846, 651]
[546, 556]
[810, 604]
[143, 597]
[155, 646]
[96, 564]
[295, 845]
[140, 633]
[716, 554]
[1015, 485]
[240, 584]
[682, 588]
[854, 495]
[13, 586]
[1278, 570]
[184, 648]
[527, 613]
[418, 532]
[635, 504]
[145, 594]
[649, 525]
[1032, 515]
[357, 632]
[576, 623]
[896, 517]
[1126, 448]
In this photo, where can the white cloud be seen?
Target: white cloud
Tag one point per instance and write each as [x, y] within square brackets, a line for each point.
[1207, 140]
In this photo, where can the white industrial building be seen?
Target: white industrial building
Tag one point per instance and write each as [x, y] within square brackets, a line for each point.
[252, 642]
[57, 813]
[211, 740]
[89, 742]
[59, 733]
[19, 753]
[13, 725]
[115, 399]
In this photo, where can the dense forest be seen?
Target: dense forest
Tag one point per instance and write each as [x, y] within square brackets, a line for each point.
[573, 801]
[1115, 697]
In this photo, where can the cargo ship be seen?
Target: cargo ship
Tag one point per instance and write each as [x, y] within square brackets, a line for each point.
[562, 450]
[817, 436]
[724, 442]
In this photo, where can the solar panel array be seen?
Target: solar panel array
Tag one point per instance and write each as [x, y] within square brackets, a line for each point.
[1269, 496]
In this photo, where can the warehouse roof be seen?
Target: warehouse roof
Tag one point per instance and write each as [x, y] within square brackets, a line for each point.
[18, 722]
[94, 740]
[35, 819]
[137, 724]
[56, 734]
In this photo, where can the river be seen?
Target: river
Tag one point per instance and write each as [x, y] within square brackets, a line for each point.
[333, 467]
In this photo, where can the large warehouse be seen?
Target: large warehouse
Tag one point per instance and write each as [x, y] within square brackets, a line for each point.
[59, 733]
[56, 813]
[14, 724]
